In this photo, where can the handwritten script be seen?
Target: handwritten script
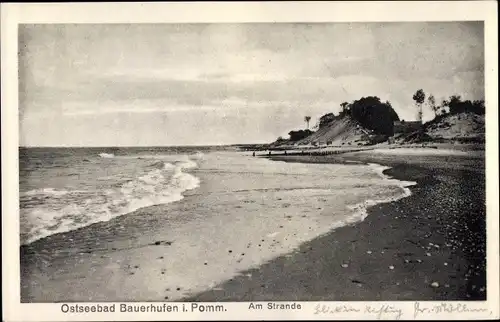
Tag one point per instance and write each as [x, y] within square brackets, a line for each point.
[443, 308]
[396, 312]
[376, 311]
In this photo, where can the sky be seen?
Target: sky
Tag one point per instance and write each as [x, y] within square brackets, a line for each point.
[205, 84]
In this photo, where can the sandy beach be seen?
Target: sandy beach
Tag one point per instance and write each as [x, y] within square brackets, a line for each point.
[245, 212]
[283, 159]
[274, 230]
[429, 246]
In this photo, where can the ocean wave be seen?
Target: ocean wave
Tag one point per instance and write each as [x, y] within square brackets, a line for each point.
[106, 155]
[44, 192]
[360, 210]
[379, 169]
[198, 155]
[69, 210]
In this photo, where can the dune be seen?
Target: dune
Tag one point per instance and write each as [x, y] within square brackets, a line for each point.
[344, 130]
[463, 125]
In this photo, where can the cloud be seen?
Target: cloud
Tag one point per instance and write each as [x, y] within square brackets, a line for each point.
[262, 78]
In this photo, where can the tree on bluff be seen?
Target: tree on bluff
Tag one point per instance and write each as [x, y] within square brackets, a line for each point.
[432, 104]
[326, 119]
[419, 98]
[456, 105]
[345, 109]
[374, 115]
[307, 119]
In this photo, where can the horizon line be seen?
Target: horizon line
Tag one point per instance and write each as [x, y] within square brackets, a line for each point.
[137, 146]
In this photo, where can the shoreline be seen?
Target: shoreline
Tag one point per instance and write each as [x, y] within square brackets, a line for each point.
[142, 255]
[435, 235]
[304, 272]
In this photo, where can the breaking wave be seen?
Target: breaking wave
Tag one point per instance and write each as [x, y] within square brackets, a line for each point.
[49, 211]
[361, 209]
[106, 155]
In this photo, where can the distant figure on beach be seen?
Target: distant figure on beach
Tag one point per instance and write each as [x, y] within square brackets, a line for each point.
[285, 152]
[253, 154]
[269, 152]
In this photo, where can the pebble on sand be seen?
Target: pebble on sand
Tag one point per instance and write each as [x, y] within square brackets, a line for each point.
[391, 267]
[345, 265]
[428, 254]
[435, 284]
[445, 264]
[368, 251]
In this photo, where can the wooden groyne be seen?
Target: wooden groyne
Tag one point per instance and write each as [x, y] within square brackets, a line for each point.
[312, 153]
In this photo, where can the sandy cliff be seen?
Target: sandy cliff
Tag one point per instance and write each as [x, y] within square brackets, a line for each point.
[458, 126]
[340, 131]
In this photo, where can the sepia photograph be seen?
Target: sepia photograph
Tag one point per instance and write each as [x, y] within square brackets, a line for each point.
[272, 163]
[250, 162]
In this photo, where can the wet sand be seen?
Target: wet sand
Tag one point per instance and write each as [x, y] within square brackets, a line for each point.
[437, 235]
[429, 246]
[246, 212]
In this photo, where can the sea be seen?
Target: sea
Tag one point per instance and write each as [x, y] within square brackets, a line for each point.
[63, 189]
[203, 205]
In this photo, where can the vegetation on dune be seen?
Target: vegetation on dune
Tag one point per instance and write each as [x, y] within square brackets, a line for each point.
[299, 135]
[419, 98]
[432, 104]
[455, 105]
[374, 115]
[369, 112]
[307, 119]
[378, 117]
[326, 119]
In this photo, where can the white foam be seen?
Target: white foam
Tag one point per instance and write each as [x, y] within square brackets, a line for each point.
[379, 169]
[158, 186]
[197, 156]
[259, 208]
[360, 209]
[241, 230]
[45, 191]
[106, 155]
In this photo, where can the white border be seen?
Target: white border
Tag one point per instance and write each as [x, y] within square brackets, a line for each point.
[13, 14]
